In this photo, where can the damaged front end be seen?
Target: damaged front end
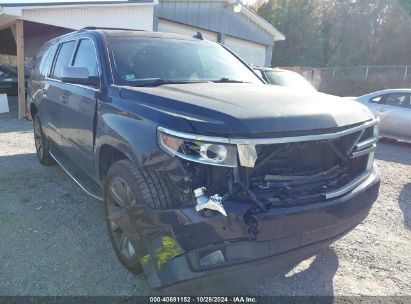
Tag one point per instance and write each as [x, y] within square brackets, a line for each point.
[280, 191]
[272, 172]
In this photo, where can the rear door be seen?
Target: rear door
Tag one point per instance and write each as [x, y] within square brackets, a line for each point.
[404, 119]
[395, 115]
[79, 103]
[52, 107]
[39, 85]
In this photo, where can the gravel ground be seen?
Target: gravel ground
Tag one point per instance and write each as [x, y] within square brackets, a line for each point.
[54, 239]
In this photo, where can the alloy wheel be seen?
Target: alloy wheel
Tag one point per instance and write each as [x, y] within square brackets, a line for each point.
[38, 138]
[120, 199]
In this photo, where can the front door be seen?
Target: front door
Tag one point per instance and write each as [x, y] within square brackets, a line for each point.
[79, 111]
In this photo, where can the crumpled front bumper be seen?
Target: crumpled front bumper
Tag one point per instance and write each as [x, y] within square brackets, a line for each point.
[171, 243]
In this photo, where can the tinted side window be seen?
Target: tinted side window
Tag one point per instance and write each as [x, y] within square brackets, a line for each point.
[63, 58]
[396, 99]
[407, 102]
[86, 57]
[46, 61]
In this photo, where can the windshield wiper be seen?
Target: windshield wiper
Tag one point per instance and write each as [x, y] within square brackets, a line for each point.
[229, 80]
[161, 81]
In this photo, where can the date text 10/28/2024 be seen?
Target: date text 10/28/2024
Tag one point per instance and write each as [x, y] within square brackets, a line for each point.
[234, 299]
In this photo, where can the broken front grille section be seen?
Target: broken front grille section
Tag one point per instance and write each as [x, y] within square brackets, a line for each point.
[308, 171]
[279, 171]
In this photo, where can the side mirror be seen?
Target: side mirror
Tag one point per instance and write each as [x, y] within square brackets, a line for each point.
[79, 75]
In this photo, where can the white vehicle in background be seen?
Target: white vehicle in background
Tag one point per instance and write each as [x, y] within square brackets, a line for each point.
[393, 107]
[285, 78]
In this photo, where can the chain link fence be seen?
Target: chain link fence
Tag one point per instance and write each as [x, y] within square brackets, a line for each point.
[357, 80]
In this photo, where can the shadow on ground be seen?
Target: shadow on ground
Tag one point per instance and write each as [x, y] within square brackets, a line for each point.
[404, 201]
[10, 123]
[394, 151]
[293, 280]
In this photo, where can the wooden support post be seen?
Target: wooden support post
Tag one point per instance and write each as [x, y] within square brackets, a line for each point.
[18, 34]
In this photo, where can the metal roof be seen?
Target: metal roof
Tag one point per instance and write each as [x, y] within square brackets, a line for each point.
[71, 3]
[218, 16]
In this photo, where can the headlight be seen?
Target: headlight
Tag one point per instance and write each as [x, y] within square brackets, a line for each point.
[200, 149]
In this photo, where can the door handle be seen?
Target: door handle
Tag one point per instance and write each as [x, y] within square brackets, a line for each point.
[63, 99]
[44, 91]
[381, 110]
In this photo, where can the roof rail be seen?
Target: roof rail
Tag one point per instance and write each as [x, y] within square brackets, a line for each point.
[108, 28]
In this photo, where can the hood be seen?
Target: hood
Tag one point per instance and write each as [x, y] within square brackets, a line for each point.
[241, 108]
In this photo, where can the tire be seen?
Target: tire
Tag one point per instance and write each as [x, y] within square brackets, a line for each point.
[41, 143]
[126, 187]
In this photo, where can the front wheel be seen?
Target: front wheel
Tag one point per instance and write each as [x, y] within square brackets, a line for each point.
[119, 198]
[126, 187]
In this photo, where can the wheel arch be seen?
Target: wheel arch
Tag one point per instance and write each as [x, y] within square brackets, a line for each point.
[108, 154]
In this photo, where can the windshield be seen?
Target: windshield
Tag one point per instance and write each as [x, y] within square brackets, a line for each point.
[145, 61]
[289, 79]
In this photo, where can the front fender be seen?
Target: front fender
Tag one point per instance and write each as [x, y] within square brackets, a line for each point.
[133, 135]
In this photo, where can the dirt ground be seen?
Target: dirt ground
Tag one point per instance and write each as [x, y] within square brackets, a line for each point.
[54, 239]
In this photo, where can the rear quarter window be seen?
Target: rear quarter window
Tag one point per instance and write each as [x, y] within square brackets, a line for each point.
[376, 99]
[44, 63]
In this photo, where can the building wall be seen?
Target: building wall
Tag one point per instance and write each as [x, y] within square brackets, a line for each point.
[34, 42]
[253, 53]
[178, 28]
[216, 20]
[134, 17]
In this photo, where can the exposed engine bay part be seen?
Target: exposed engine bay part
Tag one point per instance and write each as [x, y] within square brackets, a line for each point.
[214, 202]
[252, 222]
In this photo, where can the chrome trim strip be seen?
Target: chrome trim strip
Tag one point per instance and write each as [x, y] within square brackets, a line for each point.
[78, 183]
[356, 182]
[247, 155]
[363, 144]
[262, 141]
[283, 140]
[363, 152]
[194, 136]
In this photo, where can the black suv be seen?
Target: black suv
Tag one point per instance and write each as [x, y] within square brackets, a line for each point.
[204, 170]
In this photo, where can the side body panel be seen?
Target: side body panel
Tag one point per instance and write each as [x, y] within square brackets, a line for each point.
[395, 121]
[77, 126]
[44, 94]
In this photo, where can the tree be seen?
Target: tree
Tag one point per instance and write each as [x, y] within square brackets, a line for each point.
[340, 32]
[406, 5]
[299, 20]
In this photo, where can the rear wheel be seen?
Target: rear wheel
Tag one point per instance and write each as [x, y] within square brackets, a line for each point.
[41, 142]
